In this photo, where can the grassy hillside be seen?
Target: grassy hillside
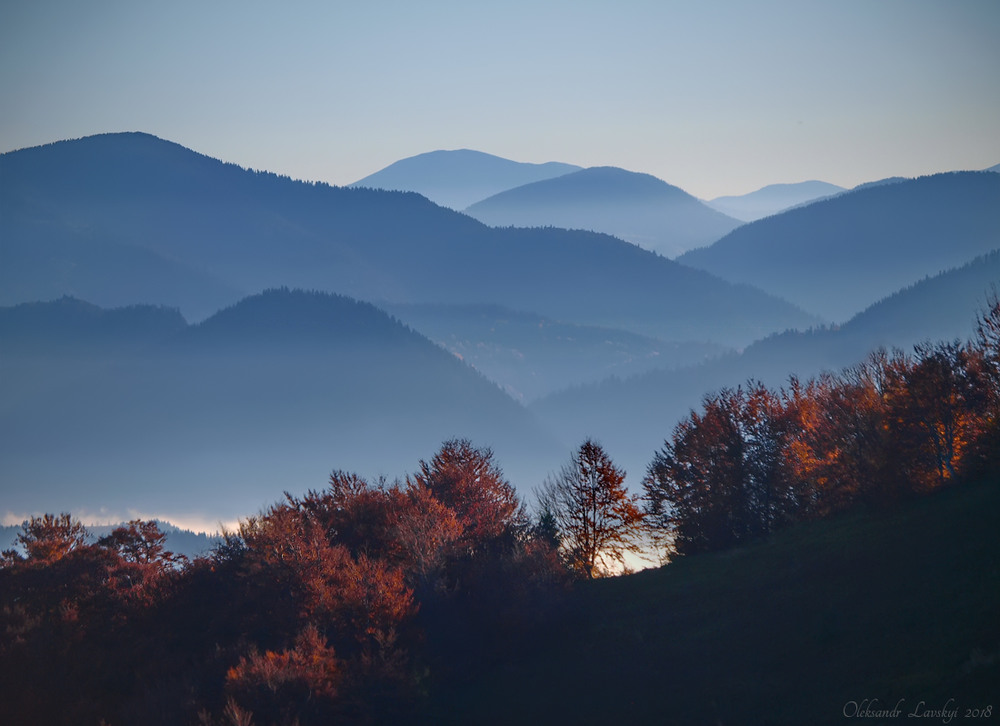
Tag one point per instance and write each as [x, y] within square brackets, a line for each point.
[874, 605]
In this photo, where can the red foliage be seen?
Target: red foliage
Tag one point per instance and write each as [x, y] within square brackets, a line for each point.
[891, 427]
[423, 532]
[468, 481]
[50, 538]
[311, 667]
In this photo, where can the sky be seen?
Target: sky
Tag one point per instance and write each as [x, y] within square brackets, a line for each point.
[715, 97]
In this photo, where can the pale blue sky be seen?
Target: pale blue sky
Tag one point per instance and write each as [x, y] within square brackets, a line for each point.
[715, 97]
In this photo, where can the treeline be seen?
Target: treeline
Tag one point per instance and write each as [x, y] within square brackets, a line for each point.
[344, 605]
[754, 460]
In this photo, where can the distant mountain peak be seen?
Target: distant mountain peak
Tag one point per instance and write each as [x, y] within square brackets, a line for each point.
[773, 198]
[637, 207]
[116, 141]
[459, 177]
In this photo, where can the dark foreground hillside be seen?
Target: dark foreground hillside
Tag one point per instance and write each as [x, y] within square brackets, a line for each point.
[870, 610]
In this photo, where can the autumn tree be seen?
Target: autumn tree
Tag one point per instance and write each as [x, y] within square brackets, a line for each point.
[772, 498]
[351, 511]
[467, 480]
[141, 564]
[49, 538]
[68, 604]
[934, 412]
[722, 477]
[988, 334]
[597, 520]
[985, 365]
[423, 532]
[295, 575]
[836, 445]
[285, 686]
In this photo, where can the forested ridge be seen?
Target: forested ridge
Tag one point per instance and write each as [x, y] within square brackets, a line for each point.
[754, 460]
[367, 600]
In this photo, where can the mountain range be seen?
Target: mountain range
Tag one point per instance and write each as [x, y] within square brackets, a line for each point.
[461, 177]
[634, 416]
[423, 323]
[135, 412]
[836, 257]
[119, 219]
[636, 207]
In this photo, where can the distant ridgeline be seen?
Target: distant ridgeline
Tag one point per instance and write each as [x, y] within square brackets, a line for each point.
[636, 207]
[460, 177]
[121, 219]
[633, 415]
[267, 395]
[836, 257]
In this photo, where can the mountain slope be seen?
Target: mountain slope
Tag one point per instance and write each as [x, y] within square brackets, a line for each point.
[772, 199]
[268, 395]
[458, 178]
[837, 256]
[632, 417]
[104, 198]
[531, 356]
[942, 307]
[70, 323]
[636, 207]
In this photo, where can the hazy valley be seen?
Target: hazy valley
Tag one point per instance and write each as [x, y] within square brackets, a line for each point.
[603, 338]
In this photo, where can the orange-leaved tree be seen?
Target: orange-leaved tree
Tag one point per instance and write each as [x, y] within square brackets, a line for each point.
[597, 519]
[467, 480]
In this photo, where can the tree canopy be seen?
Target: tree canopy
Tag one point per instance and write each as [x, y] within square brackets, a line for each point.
[596, 518]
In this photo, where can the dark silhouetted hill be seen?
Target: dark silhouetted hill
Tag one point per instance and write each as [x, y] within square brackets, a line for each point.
[121, 204]
[268, 395]
[772, 199]
[838, 256]
[461, 177]
[71, 323]
[636, 207]
[531, 356]
[780, 632]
